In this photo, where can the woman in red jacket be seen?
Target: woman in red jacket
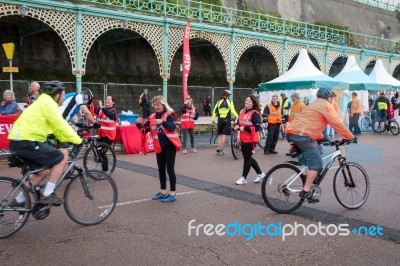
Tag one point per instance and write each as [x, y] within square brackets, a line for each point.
[162, 127]
[249, 123]
[189, 115]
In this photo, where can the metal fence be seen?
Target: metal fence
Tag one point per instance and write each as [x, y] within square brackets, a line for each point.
[391, 5]
[127, 95]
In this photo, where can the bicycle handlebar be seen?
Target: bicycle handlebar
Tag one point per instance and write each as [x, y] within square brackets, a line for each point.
[338, 143]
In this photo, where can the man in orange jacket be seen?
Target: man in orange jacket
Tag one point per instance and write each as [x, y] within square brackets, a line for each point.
[355, 109]
[306, 129]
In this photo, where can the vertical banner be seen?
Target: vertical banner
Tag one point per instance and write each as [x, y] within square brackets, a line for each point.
[186, 61]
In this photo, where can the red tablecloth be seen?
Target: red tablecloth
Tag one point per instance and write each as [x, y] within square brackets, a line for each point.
[132, 139]
[6, 122]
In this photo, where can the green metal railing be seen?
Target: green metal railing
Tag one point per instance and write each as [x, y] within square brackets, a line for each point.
[388, 4]
[218, 15]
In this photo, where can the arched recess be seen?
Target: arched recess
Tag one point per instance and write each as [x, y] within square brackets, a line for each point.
[242, 44]
[368, 68]
[333, 55]
[256, 65]
[396, 71]
[337, 65]
[365, 61]
[93, 27]
[175, 40]
[62, 23]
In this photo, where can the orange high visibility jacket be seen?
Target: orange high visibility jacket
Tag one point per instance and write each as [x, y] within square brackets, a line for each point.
[186, 121]
[108, 127]
[314, 119]
[245, 120]
[356, 107]
[172, 136]
[297, 107]
[275, 115]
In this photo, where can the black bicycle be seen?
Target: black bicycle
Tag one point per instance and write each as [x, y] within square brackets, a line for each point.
[236, 145]
[283, 182]
[90, 197]
[391, 126]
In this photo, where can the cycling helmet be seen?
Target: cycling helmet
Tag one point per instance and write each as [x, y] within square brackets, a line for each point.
[52, 87]
[86, 91]
[325, 93]
[226, 93]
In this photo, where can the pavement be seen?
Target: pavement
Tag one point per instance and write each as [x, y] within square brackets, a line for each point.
[146, 232]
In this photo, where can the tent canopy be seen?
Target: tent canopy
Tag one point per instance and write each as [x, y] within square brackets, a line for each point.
[303, 75]
[357, 79]
[382, 77]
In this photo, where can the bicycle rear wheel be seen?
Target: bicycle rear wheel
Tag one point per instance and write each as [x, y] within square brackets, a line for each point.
[282, 133]
[280, 188]
[394, 127]
[235, 145]
[12, 219]
[93, 159]
[365, 124]
[93, 201]
[351, 185]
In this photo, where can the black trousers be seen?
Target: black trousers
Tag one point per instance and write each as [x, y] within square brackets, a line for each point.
[166, 163]
[104, 164]
[353, 124]
[145, 111]
[273, 136]
[207, 110]
[249, 161]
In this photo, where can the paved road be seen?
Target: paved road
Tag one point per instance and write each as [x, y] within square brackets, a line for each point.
[145, 232]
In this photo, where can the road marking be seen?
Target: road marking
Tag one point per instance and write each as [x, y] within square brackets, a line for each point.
[143, 200]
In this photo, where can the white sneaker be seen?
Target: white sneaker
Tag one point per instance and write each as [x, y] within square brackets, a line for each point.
[194, 150]
[259, 178]
[184, 151]
[241, 181]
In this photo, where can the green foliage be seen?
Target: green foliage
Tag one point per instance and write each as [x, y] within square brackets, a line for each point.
[332, 25]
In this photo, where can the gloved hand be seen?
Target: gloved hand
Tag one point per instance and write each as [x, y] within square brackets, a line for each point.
[96, 125]
[80, 125]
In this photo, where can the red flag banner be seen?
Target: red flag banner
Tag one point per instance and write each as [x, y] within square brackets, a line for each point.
[186, 61]
[6, 122]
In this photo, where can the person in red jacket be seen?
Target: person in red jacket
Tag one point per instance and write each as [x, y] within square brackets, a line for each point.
[249, 124]
[189, 115]
[162, 127]
[306, 129]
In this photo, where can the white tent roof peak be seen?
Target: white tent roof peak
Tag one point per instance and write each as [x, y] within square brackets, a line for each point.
[381, 76]
[351, 65]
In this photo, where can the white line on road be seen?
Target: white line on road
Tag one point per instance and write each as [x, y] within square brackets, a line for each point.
[142, 200]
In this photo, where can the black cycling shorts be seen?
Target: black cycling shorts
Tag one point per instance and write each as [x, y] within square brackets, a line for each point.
[224, 126]
[36, 154]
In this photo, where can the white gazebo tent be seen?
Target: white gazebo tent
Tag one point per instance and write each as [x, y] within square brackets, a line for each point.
[382, 77]
[304, 78]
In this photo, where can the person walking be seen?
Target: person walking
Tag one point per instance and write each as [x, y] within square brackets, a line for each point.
[354, 114]
[189, 115]
[273, 113]
[295, 110]
[144, 102]
[162, 128]
[285, 104]
[249, 124]
[380, 106]
[224, 109]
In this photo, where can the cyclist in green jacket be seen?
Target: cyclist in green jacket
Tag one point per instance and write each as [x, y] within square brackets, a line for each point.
[224, 110]
[29, 133]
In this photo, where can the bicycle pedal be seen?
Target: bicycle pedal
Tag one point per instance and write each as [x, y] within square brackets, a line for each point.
[311, 201]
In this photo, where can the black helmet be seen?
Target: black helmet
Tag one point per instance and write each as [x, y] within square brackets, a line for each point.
[89, 94]
[52, 87]
[325, 93]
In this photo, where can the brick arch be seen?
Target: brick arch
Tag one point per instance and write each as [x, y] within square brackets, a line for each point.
[93, 27]
[242, 44]
[62, 23]
[220, 41]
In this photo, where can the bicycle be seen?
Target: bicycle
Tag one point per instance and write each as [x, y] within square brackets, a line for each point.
[390, 125]
[283, 182]
[236, 145]
[367, 121]
[282, 133]
[98, 155]
[263, 135]
[90, 196]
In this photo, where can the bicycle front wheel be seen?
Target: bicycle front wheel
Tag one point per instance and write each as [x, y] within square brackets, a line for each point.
[282, 133]
[100, 157]
[12, 218]
[281, 187]
[394, 127]
[91, 200]
[351, 185]
[235, 145]
[263, 137]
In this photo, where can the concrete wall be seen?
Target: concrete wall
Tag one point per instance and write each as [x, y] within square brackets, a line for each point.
[358, 17]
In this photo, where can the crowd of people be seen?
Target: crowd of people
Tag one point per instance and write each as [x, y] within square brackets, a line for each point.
[304, 124]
